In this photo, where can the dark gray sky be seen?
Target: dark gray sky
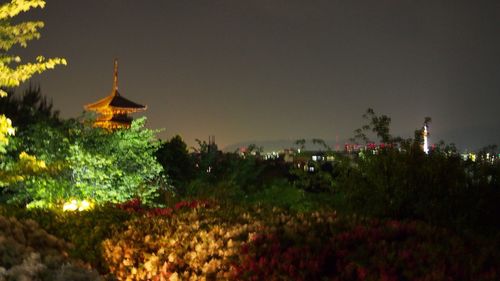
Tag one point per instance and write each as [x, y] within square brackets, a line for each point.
[281, 69]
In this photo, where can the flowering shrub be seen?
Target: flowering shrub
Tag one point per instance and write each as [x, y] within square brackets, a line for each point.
[353, 249]
[135, 206]
[27, 252]
[197, 243]
[192, 242]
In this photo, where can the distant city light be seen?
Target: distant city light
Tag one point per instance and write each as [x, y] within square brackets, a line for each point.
[426, 144]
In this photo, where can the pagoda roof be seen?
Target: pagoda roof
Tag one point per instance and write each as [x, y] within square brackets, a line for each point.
[115, 101]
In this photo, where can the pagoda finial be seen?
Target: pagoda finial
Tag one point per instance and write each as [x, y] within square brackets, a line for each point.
[115, 79]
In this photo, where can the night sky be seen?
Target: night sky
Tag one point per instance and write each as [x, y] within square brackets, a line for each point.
[281, 69]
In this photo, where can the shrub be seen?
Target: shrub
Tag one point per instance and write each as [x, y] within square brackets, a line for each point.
[85, 230]
[196, 242]
[283, 195]
[439, 188]
[28, 252]
[322, 248]
[191, 243]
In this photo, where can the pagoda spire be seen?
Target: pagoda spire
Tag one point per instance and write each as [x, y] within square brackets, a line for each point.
[115, 79]
[113, 110]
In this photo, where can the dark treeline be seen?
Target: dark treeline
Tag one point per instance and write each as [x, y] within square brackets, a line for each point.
[397, 181]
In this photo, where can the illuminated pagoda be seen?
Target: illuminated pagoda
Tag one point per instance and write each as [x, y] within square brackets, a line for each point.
[113, 110]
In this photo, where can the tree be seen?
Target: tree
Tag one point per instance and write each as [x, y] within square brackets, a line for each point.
[322, 143]
[6, 130]
[301, 143]
[176, 161]
[380, 125]
[83, 162]
[28, 108]
[12, 73]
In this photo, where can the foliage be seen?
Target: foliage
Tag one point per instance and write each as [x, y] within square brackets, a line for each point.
[6, 130]
[30, 253]
[11, 72]
[27, 165]
[127, 157]
[226, 176]
[404, 182]
[301, 143]
[223, 191]
[208, 161]
[194, 243]
[321, 143]
[200, 242]
[20, 34]
[319, 179]
[321, 246]
[29, 108]
[177, 163]
[244, 172]
[89, 163]
[284, 195]
[380, 125]
[83, 230]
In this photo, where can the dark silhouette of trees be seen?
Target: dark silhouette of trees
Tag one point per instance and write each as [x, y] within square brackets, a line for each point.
[173, 155]
[380, 125]
[28, 108]
[321, 143]
[301, 143]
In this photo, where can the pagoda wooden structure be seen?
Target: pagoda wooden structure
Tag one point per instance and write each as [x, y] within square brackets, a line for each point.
[113, 110]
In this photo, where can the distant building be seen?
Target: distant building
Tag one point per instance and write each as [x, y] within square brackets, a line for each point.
[425, 134]
[113, 110]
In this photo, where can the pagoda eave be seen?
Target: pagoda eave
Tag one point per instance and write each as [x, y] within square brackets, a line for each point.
[107, 124]
[114, 109]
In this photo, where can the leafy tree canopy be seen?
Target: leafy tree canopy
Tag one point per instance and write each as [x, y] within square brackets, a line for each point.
[89, 163]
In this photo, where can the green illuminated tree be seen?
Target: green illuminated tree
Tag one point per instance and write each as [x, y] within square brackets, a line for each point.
[89, 163]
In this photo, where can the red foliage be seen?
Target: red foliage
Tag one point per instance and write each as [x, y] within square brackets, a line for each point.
[389, 251]
[135, 206]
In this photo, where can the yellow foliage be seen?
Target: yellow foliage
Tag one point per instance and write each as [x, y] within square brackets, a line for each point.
[15, 7]
[30, 164]
[26, 166]
[12, 74]
[6, 130]
[20, 34]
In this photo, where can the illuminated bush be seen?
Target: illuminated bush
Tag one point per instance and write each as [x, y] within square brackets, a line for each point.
[187, 241]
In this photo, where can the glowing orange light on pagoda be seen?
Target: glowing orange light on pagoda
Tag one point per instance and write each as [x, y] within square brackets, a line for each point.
[113, 110]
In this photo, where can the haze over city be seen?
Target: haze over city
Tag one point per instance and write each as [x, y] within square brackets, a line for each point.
[281, 69]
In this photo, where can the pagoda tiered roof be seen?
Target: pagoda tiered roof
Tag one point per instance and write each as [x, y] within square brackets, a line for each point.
[115, 102]
[114, 108]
